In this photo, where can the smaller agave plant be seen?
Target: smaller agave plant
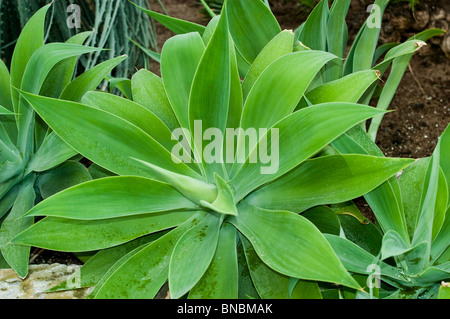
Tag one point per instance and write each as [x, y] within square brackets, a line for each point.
[216, 226]
[34, 162]
[410, 252]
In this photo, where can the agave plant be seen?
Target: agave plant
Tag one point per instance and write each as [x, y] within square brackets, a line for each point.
[254, 27]
[211, 226]
[412, 250]
[33, 159]
[112, 24]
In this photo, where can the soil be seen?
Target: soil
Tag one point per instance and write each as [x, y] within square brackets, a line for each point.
[421, 103]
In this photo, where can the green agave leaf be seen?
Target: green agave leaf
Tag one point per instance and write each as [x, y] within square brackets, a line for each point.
[192, 255]
[8, 200]
[304, 289]
[252, 26]
[62, 177]
[268, 283]
[41, 63]
[224, 203]
[133, 113]
[98, 265]
[325, 219]
[5, 111]
[210, 94]
[17, 256]
[177, 26]
[347, 89]
[105, 138]
[113, 197]
[69, 235]
[357, 260]
[5, 88]
[349, 208]
[180, 58]
[367, 236]
[280, 87]
[31, 38]
[434, 274]
[123, 85]
[246, 288]
[314, 31]
[382, 49]
[89, 80]
[142, 273]
[442, 240]
[393, 245]
[148, 90]
[220, 281]
[348, 177]
[424, 225]
[195, 190]
[52, 152]
[445, 157]
[331, 120]
[62, 73]
[366, 46]
[385, 201]
[152, 54]
[279, 247]
[337, 35]
[279, 46]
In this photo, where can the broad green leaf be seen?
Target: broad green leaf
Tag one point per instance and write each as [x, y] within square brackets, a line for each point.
[393, 245]
[39, 66]
[246, 288]
[366, 46]
[52, 152]
[268, 283]
[385, 201]
[424, 225]
[8, 200]
[31, 38]
[314, 31]
[5, 87]
[367, 236]
[279, 46]
[347, 89]
[105, 138]
[315, 126]
[220, 281]
[177, 26]
[192, 255]
[442, 241]
[349, 208]
[66, 175]
[347, 177]
[141, 275]
[89, 80]
[280, 87]
[224, 203]
[62, 73]
[445, 157]
[434, 274]
[210, 95]
[5, 111]
[325, 219]
[180, 58]
[306, 290]
[112, 198]
[356, 259]
[337, 35]
[99, 264]
[294, 236]
[133, 113]
[252, 26]
[123, 85]
[148, 91]
[17, 256]
[70, 235]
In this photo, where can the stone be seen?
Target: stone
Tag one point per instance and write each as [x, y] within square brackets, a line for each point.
[40, 279]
